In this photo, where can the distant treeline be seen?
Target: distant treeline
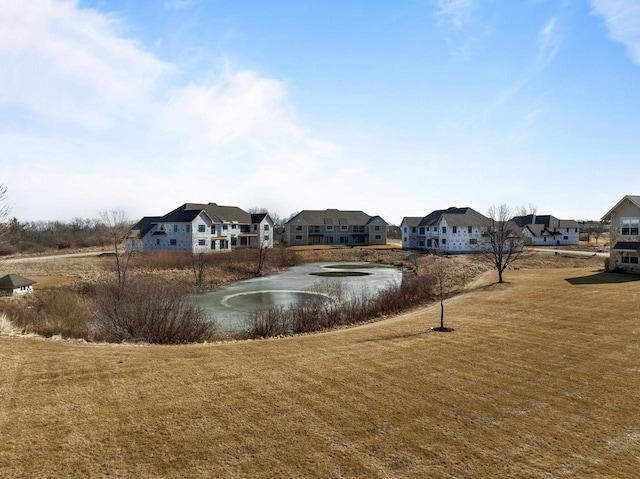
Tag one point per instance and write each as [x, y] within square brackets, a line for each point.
[41, 236]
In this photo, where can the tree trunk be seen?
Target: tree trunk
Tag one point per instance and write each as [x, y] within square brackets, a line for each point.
[441, 314]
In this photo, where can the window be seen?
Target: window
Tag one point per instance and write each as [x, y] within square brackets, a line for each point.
[455, 230]
[213, 229]
[473, 241]
[188, 228]
[202, 228]
[629, 258]
[422, 230]
[444, 229]
[413, 229]
[234, 241]
[405, 229]
[266, 237]
[344, 239]
[444, 240]
[266, 227]
[175, 228]
[158, 241]
[344, 228]
[421, 243]
[376, 228]
[173, 242]
[378, 237]
[469, 229]
[225, 227]
[566, 238]
[255, 227]
[298, 237]
[329, 227]
[299, 228]
[202, 242]
[630, 226]
[233, 227]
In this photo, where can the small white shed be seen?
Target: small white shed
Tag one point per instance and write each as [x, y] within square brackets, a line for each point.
[14, 284]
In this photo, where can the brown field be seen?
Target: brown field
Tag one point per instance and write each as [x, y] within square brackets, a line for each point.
[541, 378]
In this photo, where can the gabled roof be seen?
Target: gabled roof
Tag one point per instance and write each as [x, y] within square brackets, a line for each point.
[548, 221]
[334, 217]
[187, 212]
[454, 216]
[258, 217]
[635, 200]
[145, 224]
[540, 230]
[13, 281]
[411, 221]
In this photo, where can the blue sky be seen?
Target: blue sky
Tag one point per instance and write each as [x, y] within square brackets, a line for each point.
[395, 107]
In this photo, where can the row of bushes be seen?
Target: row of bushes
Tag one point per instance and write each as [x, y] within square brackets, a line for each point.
[40, 236]
[319, 314]
[152, 310]
[145, 309]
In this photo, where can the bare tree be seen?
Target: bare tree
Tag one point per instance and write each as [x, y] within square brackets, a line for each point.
[440, 274]
[263, 249]
[198, 264]
[596, 229]
[4, 212]
[502, 241]
[525, 210]
[4, 207]
[119, 226]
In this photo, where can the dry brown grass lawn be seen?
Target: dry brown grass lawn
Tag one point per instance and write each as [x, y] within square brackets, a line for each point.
[541, 378]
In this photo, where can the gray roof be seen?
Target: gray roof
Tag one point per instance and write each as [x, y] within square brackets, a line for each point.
[13, 281]
[454, 216]
[221, 214]
[547, 221]
[411, 220]
[627, 246]
[334, 217]
[632, 199]
[187, 212]
[540, 230]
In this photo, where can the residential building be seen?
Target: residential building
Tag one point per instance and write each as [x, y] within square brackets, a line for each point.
[547, 230]
[454, 230]
[335, 227]
[202, 228]
[624, 234]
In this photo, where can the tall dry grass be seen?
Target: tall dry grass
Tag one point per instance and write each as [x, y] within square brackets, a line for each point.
[343, 308]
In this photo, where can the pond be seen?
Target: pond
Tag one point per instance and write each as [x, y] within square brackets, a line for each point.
[230, 305]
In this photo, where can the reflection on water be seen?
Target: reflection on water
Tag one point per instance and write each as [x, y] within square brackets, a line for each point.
[230, 305]
[257, 300]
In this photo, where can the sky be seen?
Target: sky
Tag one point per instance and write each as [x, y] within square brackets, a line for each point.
[396, 108]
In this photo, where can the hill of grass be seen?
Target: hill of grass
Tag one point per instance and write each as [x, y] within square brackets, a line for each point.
[539, 379]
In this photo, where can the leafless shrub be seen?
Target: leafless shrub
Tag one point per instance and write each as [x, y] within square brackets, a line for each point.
[266, 323]
[149, 310]
[50, 313]
[322, 313]
[281, 258]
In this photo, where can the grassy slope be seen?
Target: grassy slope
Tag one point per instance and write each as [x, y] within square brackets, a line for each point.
[539, 379]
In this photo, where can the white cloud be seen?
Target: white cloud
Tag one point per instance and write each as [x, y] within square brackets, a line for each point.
[622, 18]
[71, 64]
[548, 41]
[458, 12]
[105, 127]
